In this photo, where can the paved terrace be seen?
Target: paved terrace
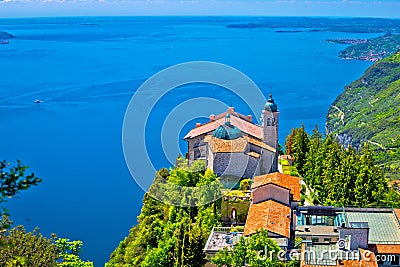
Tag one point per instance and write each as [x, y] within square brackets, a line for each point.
[223, 237]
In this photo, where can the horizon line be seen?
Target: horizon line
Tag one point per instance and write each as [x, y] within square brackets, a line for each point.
[201, 15]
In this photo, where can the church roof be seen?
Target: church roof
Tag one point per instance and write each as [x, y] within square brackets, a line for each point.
[240, 121]
[226, 146]
[236, 145]
[270, 105]
[227, 131]
[260, 144]
[284, 180]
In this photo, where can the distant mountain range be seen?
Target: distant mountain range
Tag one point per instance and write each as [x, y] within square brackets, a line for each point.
[369, 111]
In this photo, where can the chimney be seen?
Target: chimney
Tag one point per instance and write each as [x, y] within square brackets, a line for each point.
[212, 117]
[250, 118]
[231, 110]
[198, 124]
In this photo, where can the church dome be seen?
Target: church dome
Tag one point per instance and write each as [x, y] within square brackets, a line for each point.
[227, 131]
[271, 106]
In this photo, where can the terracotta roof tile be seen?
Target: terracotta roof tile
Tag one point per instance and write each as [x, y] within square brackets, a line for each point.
[221, 145]
[281, 179]
[236, 120]
[385, 248]
[368, 259]
[260, 144]
[269, 215]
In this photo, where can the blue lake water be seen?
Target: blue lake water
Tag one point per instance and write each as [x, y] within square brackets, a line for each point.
[87, 69]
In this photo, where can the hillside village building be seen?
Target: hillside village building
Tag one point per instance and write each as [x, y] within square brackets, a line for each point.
[370, 236]
[232, 145]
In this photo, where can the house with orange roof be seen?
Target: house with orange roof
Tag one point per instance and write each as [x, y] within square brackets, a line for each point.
[275, 180]
[331, 236]
[274, 197]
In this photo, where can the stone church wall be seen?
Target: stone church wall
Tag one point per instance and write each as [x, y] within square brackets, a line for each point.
[191, 143]
[236, 164]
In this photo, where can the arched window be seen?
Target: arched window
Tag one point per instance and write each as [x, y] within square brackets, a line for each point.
[268, 122]
[233, 214]
[273, 122]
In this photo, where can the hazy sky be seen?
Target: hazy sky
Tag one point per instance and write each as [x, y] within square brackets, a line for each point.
[355, 8]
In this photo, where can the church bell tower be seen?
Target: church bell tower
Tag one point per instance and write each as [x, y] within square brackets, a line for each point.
[270, 120]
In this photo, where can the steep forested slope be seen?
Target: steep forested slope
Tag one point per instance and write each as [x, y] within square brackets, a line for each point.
[168, 235]
[369, 111]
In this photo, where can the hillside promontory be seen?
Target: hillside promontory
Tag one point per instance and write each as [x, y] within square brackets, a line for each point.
[372, 49]
[5, 35]
[369, 111]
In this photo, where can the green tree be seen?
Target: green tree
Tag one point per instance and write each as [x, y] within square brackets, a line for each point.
[392, 198]
[289, 142]
[256, 250]
[172, 236]
[340, 176]
[222, 258]
[314, 158]
[375, 185]
[181, 162]
[27, 249]
[245, 184]
[280, 150]
[21, 248]
[331, 164]
[69, 253]
[14, 179]
[297, 145]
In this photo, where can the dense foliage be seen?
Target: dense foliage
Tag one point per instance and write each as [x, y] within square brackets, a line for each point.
[168, 235]
[368, 111]
[68, 253]
[20, 248]
[373, 49]
[24, 249]
[336, 175]
[257, 250]
[14, 179]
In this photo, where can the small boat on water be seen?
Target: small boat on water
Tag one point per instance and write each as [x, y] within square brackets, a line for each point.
[37, 101]
[4, 42]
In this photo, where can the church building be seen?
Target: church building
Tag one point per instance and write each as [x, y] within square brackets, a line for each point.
[232, 145]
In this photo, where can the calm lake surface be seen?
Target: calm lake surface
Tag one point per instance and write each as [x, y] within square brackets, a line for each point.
[87, 69]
